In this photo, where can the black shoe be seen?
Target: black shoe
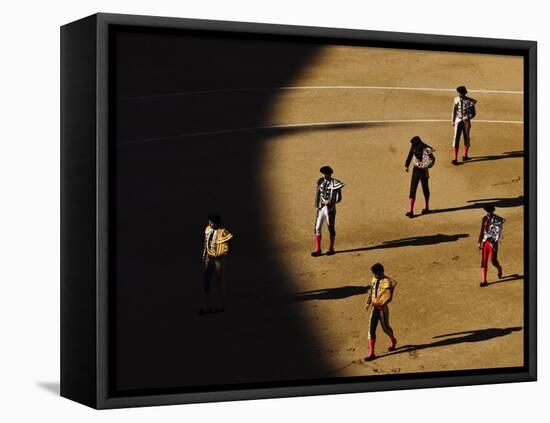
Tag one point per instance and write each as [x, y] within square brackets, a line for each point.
[425, 211]
[410, 215]
[483, 284]
[316, 253]
[465, 158]
[219, 310]
[455, 162]
[370, 357]
[330, 252]
[202, 312]
[393, 347]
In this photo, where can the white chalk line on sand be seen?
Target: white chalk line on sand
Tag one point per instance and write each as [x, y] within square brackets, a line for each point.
[321, 87]
[310, 125]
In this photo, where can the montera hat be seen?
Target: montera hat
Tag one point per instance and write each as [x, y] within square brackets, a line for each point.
[377, 268]
[326, 170]
[215, 218]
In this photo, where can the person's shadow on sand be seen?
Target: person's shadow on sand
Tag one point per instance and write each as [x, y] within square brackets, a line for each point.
[505, 155]
[413, 241]
[468, 336]
[479, 204]
[337, 293]
[508, 278]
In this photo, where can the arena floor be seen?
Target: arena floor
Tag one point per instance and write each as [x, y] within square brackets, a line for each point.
[441, 317]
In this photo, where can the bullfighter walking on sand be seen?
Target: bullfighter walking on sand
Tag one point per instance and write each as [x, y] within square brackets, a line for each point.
[489, 236]
[380, 295]
[423, 159]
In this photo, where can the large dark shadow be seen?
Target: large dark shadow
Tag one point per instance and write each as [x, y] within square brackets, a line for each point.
[459, 338]
[414, 241]
[505, 155]
[269, 130]
[479, 204]
[164, 191]
[337, 293]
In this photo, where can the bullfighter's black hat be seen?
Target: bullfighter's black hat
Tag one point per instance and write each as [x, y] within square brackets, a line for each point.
[215, 218]
[377, 269]
[326, 170]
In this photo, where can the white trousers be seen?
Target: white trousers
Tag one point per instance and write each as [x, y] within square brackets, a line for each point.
[324, 214]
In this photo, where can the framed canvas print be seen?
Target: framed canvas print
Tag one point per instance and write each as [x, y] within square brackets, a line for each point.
[255, 211]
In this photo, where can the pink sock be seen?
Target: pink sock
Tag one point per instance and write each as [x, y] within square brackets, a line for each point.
[455, 153]
[371, 347]
[427, 204]
[484, 274]
[465, 151]
[411, 204]
[317, 242]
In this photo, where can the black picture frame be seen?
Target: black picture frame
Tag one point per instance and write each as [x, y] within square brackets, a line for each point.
[86, 224]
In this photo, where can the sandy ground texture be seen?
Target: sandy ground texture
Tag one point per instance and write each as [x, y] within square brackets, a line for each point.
[441, 317]
[289, 315]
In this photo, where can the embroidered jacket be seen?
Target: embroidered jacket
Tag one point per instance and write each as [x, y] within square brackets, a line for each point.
[491, 229]
[216, 242]
[464, 107]
[328, 191]
[381, 291]
[417, 153]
